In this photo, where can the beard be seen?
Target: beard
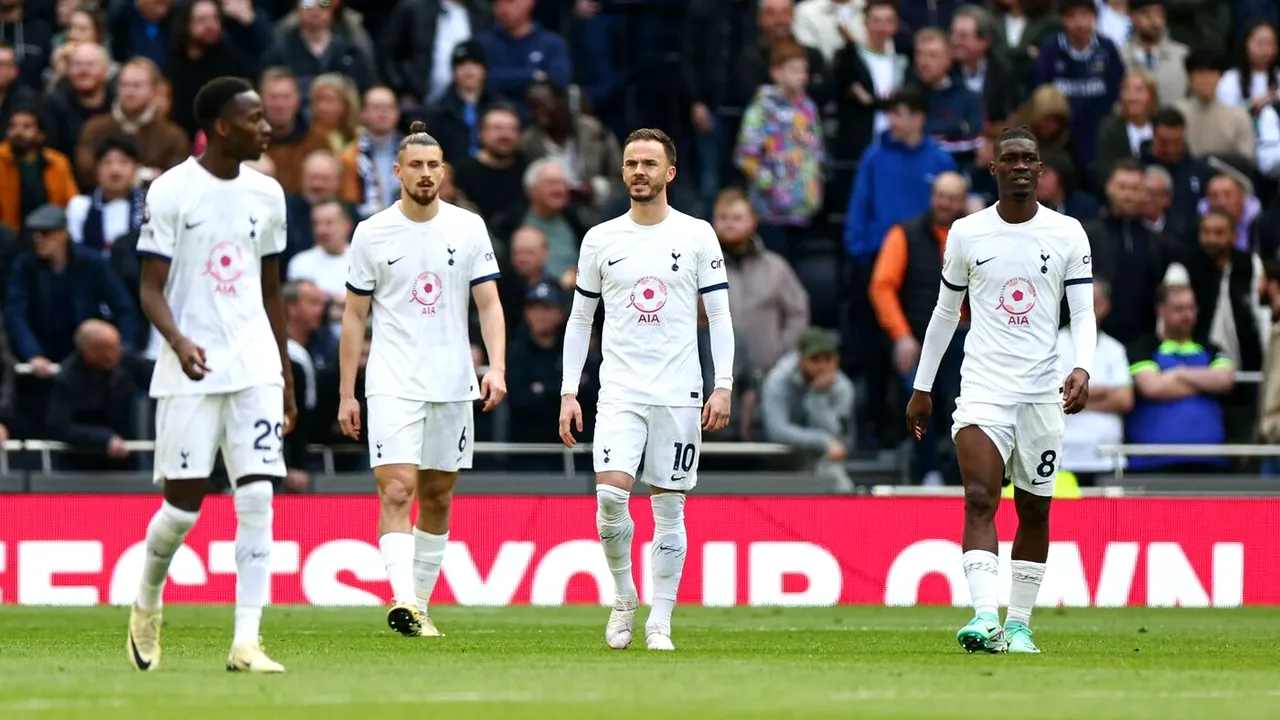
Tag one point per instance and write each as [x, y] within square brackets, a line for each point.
[648, 193]
[422, 196]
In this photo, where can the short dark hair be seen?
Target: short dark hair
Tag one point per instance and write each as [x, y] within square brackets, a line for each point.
[118, 142]
[32, 109]
[499, 107]
[1128, 165]
[1168, 117]
[910, 96]
[1220, 213]
[1021, 132]
[655, 135]
[1066, 6]
[417, 136]
[872, 4]
[215, 96]
[1204, 59]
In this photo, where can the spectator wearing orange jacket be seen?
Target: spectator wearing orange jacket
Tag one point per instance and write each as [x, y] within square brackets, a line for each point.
[904, 291]
[31, 174]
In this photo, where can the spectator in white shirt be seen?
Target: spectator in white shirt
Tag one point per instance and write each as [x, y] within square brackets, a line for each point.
[326, 263]
[1110, 397]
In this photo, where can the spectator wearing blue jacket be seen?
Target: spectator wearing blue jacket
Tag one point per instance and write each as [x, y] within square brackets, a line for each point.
[1086, 67]
[55, 287]
[895, 178]
[519, 51]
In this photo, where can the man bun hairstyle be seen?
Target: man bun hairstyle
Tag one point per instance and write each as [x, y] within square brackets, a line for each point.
[417, 136]
[214, 97]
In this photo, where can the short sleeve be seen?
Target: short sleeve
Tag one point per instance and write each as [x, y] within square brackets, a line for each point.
[275, 234]
[588, 277]
[712, 274]
[362, 277]
[955, 262]
[158, 234]
[1079, 262]
[1141, 355]
[484, 266]
[1218, 358]
[1118, 370]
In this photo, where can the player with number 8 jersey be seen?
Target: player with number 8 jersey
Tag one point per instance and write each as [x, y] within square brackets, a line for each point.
[653, 268]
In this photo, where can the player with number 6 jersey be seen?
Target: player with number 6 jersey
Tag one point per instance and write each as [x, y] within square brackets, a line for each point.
[1015, 260]
[417, 265]
[213, 230]
[650, 267]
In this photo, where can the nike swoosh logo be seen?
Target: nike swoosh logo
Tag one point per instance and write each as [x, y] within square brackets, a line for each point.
[137, 659]
[680, 478]
[1039, 482]
[982, 262]
[615, 262]
[393, 262]
[194, 224]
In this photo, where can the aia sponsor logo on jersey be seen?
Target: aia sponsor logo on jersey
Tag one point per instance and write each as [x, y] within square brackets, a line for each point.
[648, 296]
[426, 292]
[225, 265]
[1017, 298]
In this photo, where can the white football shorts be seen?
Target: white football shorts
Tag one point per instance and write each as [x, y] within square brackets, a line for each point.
[669, 439]
[247, 426]
[1028, 436]
[431, 436]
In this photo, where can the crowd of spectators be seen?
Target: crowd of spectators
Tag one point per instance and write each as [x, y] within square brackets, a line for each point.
[830, 142]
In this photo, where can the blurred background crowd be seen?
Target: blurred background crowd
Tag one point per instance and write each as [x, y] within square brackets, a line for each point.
[830, 142]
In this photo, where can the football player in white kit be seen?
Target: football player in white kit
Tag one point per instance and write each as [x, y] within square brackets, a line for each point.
[418, 264]
[650, 266]
[213, 230]
[1015, 259]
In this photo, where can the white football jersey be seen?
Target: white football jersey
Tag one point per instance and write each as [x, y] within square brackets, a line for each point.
[420, 276]
[650, 277]
[1016, 276]
[214, 234]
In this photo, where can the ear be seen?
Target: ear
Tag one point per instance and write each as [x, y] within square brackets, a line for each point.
[671, 173]
[221, 127]
[991, 167]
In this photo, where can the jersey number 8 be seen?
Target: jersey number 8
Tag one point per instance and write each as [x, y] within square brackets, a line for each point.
[1048, 462]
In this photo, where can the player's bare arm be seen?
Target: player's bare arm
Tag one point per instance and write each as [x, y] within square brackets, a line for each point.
[493, 330]
[155, 277]
[350, 346]
[273, 303]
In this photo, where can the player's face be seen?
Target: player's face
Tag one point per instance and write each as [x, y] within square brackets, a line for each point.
[1017, 168]
[645, 170]
[245, 127]
[421, 172]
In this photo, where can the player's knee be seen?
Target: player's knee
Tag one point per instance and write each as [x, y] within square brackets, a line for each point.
[253, 504]
[435, 502]
[395, 493]
[1033, 510]
[611, 503]
[185, 495]
[979, 501]
[668, 511]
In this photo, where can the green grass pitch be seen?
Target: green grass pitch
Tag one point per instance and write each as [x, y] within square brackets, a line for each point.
[731, 663]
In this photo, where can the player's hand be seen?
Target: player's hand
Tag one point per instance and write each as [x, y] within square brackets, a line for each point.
[715, 414]
[493, 387]
[1075, 392]
[349, 417]
[290, 409]
[570, 419]
[919, 408]
[192, 358]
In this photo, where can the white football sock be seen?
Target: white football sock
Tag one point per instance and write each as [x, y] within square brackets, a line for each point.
[253, 557]
[980, 568]
[397, 557]
[428, 556]
[168, 528]
[616, 528]
[1027, 577]
[670, 545]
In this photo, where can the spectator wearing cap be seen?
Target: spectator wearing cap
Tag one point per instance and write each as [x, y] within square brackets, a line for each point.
[1212, 127]
[313, 49]
[32, 38]
[534, 365]
[519, 51]
[369, 181]
[1151, 48]
[56, 286]
[12, 92]
[807, 403]
[589, 153]
[135, 113]
[115, 207]
[955, 118]
[31, 174]
[1085, 67]
[86, 94]
[1059, 189]
[418, 56]
[91, 399]
[454, 119]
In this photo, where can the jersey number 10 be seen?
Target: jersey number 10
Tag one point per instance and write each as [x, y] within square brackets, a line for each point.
[684, 457]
